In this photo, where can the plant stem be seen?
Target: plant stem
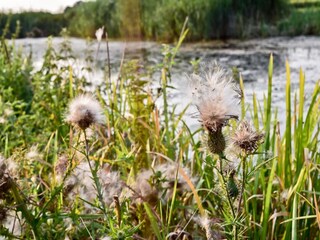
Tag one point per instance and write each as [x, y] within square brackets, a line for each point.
[21, 205]
[94, 176]
[225, 183]
[243, 162]
[228, 197]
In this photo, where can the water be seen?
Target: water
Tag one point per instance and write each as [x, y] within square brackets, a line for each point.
[250, 57]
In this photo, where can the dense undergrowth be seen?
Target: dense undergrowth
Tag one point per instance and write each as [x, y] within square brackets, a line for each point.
[127, 169]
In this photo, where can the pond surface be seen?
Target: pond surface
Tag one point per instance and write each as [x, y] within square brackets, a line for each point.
[250, 57]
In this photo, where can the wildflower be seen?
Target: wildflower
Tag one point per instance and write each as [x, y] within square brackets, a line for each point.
[99, 34]
[246, 138]
[216, 97]
[85, 111]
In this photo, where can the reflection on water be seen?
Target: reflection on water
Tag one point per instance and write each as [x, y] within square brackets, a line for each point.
[250, 57]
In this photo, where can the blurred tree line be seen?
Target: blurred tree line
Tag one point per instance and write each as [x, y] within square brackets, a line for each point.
[151, 19]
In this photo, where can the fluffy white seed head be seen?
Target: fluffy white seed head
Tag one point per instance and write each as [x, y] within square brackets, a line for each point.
[99, 33]
[216, 96]
[158, 183]
[80, 183]
[84, 111]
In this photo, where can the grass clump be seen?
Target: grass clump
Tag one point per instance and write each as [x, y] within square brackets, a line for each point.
[127, 169]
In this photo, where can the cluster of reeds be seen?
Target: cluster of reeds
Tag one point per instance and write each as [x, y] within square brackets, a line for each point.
[110, 164]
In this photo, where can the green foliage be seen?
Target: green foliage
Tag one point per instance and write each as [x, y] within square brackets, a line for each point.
[158, 20]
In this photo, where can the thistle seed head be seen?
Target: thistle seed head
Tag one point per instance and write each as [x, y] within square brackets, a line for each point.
[84, 111]
[80, 183]
[99, 34]
[216, 96]
[211, 226]
[246, 138]
[153, 184]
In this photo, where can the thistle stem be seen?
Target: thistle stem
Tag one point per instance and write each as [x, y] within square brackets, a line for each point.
[228, 197]
[225, 182]
[94, 176]
[22, 206]
[243, 161]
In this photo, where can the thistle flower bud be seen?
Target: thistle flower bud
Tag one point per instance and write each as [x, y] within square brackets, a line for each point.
[216, 142]
[232, 187]
[84, 111]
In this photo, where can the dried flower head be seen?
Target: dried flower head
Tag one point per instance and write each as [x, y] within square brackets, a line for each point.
[246, 138]
[99, 33]
[211, 226]
[153, 184]
[84, 111]
[33, 153]
[80, 183]
[7, 170]
[216, 96]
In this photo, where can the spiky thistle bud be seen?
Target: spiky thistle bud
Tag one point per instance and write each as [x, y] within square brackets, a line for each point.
[232, 186]
[246, 138]
[216, 142]
[84, 111]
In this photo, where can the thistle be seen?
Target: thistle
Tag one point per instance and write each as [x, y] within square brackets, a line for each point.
[85, 111]
[99, 34]
[80, 183]
[211, 227]
[246, 138]
[216, 97]
[152, 184]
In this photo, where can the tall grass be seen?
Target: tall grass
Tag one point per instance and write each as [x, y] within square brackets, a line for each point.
[270, 194]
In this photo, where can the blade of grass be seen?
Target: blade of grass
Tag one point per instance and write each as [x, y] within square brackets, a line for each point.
[268, 105]
[153, 221]
[267, 200]
[288, 129]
